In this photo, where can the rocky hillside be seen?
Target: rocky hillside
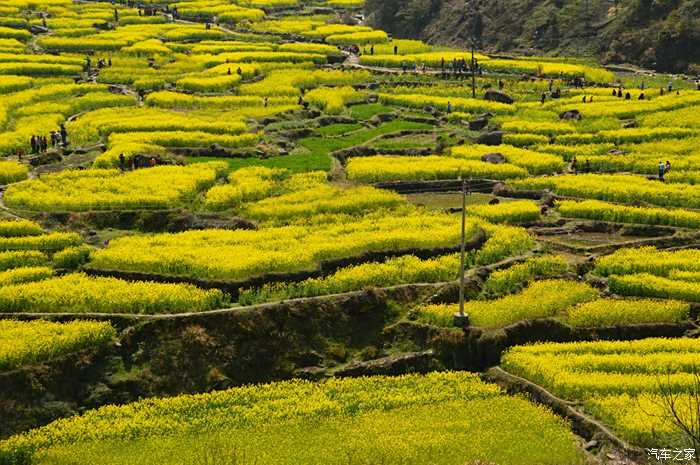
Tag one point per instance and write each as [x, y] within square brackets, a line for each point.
[660, 34]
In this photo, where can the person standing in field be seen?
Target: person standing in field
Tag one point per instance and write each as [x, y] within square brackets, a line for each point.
[662, 170]
[396, 49]
[64, 135]
[668, 166]
[574, 165]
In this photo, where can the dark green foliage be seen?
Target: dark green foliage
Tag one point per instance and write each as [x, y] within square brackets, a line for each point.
[662, 34]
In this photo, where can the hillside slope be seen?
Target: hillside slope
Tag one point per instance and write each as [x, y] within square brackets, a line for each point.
[661, 34]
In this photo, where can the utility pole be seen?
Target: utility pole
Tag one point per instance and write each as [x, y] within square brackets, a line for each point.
[473, 70]
[461, 320]
[474, 13]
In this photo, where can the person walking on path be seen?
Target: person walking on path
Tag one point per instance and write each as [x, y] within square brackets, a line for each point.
[662, 171]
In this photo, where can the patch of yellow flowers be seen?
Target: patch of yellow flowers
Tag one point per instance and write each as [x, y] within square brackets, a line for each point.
[22, 343]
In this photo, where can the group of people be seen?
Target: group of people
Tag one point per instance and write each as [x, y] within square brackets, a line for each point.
[40, 143]
[101, 63]
[664, 168]
[137, 161]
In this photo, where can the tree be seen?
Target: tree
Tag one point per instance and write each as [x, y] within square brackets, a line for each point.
[680, 408]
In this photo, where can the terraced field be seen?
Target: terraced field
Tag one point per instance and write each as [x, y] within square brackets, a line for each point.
[231, 233]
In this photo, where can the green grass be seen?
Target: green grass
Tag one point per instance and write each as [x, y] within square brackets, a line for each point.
[368, 110]
[323, 145]
[296, 163]
[316, 149]
[338, 129]
[416, 141]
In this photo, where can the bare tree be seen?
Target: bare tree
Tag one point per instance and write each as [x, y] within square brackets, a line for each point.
[680, 408]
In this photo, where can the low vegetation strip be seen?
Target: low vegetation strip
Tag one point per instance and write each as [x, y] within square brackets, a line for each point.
[622, 383]
[614, 312]
[241, 254]
[49, 242]
[382, 168]
[337, 415]
[519, 211]
[514, 278]
[77, 293]
[101, 189]
[542, 299]
[648, 285]
[606, 211]
[648, 260]
[501, 243]
[23, 343]
[617, 188]
[11, 171]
